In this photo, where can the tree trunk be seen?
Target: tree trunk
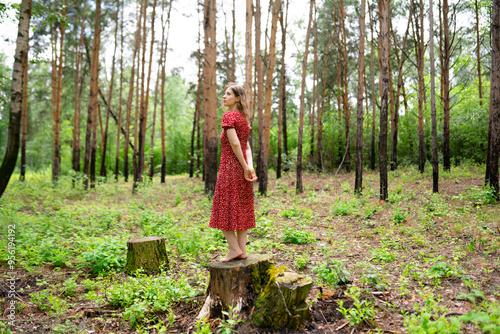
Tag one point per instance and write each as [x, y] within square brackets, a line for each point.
[249, 64]
[119, 120]
[319, 132]
[299, 186]
[446, 89]
[394, 147]
[93, 108]
[345, 84]
[57, 67]
[372, 73]
[78, 95]
[384, 12]
[435, 166]
[110, 95]
[210, 94]
[494, 121]
[148, 254]
[419, 23]
[282, 87]
[20, 60]
[358, 185]
[163, 80]
[260, 91]
[24, 121]
[314, 110]
[268, 98]
[233, 52]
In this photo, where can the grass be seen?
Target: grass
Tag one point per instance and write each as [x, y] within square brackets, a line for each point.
[417, 263]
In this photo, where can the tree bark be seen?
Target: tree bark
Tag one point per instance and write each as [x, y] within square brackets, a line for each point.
[20, 59]
[358, 184]
[210, 97]
[435, 166]
[345, 88]
[419, 31]
[93, 108]
[494, 120]
[148, 254]
[314, 110]
[249, 63]
[299, 185]
[24, 121]
[384, 17]
[373, 94]
[282, 88]
[263, 180]
[446, 88]
[78, 95]
[478, 54]
[119, 120]
[260, 91]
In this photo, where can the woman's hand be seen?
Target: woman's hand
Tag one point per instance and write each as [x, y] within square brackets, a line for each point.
[249, 174]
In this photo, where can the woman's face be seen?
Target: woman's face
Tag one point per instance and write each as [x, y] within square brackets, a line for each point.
[229, 99]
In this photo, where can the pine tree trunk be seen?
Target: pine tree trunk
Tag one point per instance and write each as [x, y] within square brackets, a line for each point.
[266, 128]
[282, 88]
[299, 186]
[260, 92]
[384, 12]
[249, 64]
[345, 88]
[358, 185]
[446, 88]
[435, 167]
[478, 54]
[372, 73]
[78, 95]
[20, 60]
[494, 121]
[210, 94]
[93, 108]
[119, 120]
[421, 85]
[314, 111]
[163, 81]
[24, 121]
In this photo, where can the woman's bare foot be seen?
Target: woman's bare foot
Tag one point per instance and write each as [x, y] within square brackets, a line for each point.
[243, 256]
[231, 256]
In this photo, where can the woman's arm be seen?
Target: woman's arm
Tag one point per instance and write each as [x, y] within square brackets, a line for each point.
[236, 146]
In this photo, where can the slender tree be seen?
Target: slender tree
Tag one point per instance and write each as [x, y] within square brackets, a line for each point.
[494, 120]
[14, 129]
[282, 86]
[314, 111]
[91, 132]
[210, 97]
[76, 147]
[373, 94]
[384, 17]
[419, 37]
[478, 54]
[446, 88]
[120, 103]
[268, 98]
[299, 186]
[345, 89]
[259, 78]
[435, 167]
[24, 122]
[358, 184]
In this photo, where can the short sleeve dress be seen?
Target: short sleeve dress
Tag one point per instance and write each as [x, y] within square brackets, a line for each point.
[232, 208]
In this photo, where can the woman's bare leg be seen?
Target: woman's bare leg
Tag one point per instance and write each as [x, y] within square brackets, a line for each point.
[242, 243]
[234, 248]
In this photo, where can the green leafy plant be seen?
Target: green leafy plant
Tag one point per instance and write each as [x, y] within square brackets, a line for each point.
[488, 319]
[228, 325]
[362, 310]
[333, 273]
[383, 255]
[294, 236]
[399, 217]
[301, 261]
[104, 255]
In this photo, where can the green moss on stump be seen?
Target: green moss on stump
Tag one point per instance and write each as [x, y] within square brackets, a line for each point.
[282, 303]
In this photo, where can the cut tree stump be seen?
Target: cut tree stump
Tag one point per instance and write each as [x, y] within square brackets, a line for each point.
[283, 301]
[235, 285]
[147, 253]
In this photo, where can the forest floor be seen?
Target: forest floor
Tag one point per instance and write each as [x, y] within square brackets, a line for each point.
[416, 263]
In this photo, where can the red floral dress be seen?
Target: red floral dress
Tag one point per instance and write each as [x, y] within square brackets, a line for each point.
[232, 208]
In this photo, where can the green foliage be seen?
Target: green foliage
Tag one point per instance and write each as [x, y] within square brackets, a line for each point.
[362, 311]
[383, 255]
[477, 196]
[488, 319]
[227, 325]
[104, 255]
[301, 261]
[333, 273]
[344, 207]
[299, 237]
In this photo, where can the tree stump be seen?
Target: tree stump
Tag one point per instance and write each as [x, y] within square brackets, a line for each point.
[282, 303]
[148, 253]
[235, 285]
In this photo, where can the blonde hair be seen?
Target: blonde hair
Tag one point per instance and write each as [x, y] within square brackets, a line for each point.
[242, 104]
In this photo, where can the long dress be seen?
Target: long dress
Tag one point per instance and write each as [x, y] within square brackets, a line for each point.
[232, 208]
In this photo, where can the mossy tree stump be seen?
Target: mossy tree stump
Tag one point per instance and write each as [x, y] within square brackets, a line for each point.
[283, 301]
[235, 285]
[147, 253]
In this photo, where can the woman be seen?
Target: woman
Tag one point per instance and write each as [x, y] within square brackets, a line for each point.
[232, 210]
